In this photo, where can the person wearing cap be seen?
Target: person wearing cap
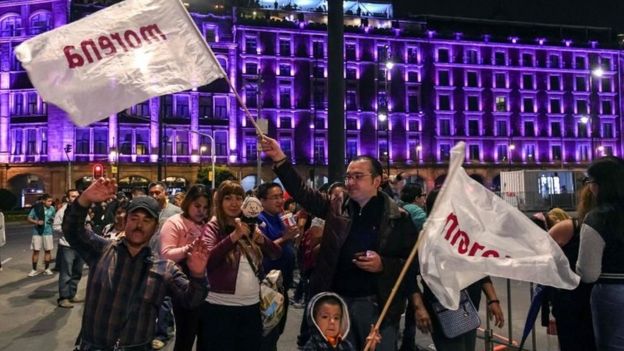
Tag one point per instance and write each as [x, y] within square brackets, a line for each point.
[127, 281]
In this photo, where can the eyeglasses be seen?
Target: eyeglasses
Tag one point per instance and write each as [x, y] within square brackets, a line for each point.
[356, 176]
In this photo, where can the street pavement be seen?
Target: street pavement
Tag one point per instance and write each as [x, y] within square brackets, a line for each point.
[30, 319]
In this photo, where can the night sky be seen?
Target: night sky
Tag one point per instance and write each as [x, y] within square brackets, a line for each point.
[598, 13]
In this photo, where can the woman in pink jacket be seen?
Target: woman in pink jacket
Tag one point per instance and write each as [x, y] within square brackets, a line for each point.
[230, 317]
[177, 237]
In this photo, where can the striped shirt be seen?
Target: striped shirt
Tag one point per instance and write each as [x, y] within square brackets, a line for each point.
[124, 292]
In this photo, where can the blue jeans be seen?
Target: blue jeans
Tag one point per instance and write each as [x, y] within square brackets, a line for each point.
[165, 320]
[363, 312]
[607, 304]
[70, 272]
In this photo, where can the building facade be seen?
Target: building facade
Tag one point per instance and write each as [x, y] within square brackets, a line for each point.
[412, 91]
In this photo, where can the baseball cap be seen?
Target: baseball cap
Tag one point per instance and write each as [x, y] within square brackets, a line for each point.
[147, 203]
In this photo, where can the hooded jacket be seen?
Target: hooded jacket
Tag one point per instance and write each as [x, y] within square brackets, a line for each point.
[318, 341]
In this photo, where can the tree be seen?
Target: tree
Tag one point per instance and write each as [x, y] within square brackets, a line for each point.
[223, 173]
[8, 200]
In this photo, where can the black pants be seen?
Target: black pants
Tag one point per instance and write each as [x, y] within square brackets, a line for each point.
[231, 328]
[187, 326]
[573, 316]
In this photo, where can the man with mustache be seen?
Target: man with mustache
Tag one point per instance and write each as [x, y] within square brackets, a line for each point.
[127, 280]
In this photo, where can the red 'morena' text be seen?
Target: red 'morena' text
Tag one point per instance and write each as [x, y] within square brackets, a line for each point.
[460, 240]
[108, 45]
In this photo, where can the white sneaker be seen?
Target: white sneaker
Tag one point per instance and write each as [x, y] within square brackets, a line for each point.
[33, 273]
[48, 272]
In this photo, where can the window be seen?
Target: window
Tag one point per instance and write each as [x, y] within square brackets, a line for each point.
[17, 142]
[15, 64]
[319, 122]
[413, 76]
[527, 59]
[251, 95]
[11, 26]
[319, 149]
[527, 104]
[413, 125]
[501, 128]
[182, 144]
[286, 145]
[555, 129]
[583, 151]
[413, 101]
[40, 22]
[473, 127]
[251, 45]
[284, 69]
[31, 107]
[31, 142]
[351, 73]
[555, 82]
[554, 61]
[608, 151]
[605, 84]
[210, 33]
[500, 80]
[445, 127]
[412, 55]
[182, 106]
[579, 62]
[351, 149]
[501, 153]
[582, 129]
[285, 93]
[205, 107]
[383, 53]
[83, 141]
[251, 68]
[443, 78]
[351, 100]
[44, 143]
[473, 103]
[473, 152]
[413, 148]
[556, 152]
[221, 139]
[581, 106]
[318, 71]
[18, 104]
[383, 148]
[142, 142]
[167, 105]
[607, 130]
[501, 104]
[319, 96]
[555, 105]
[284, 47]
[472, 80]
[530, 152]
[527, 81]
[125, 142]
[607, 107]
[443, 55]
[100, 143]
[351, 123]
[529, 128]
[605, 63]
[381, 73]
[444, 102]
[581, 83]
[141, 109]
[285, 122]
[445, 152]
[350, 51]
[500, 58]
[220, 107]
[251, 149]
[318, 49]
[472, 57]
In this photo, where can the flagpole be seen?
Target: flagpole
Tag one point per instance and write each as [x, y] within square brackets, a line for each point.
[225, 76]
[393, 293]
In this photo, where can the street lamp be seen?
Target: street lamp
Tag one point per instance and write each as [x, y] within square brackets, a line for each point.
[596, 72]
[113, 158]
[511, 148]
[213, 156]
[68, 149]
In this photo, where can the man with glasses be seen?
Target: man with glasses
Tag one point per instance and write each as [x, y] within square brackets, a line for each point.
[271, 196]
[366, 240]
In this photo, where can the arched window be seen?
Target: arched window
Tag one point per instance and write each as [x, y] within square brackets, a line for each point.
[40, 21]
[11, 25]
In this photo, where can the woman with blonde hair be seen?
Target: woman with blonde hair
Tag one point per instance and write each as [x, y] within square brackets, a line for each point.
[230, 317]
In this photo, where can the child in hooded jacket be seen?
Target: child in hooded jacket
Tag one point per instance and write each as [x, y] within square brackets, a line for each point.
[328, 318]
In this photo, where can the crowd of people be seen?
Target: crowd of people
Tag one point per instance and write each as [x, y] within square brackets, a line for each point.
[191, 265]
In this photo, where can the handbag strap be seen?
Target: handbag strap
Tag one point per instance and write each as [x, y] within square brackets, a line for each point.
[251, 262]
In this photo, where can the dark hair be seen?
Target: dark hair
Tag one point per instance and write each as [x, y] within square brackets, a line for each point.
[335, 185]
[431, 199]
[263, 189]
[376, 167]
[326, 300]
[608, 173]
[194, 193]
[45, 197]
[69, 191]
[153, 184]
[410, 192]
[289, 201]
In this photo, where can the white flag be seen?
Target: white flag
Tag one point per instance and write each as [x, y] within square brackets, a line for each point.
[118, 57]
[472, 232]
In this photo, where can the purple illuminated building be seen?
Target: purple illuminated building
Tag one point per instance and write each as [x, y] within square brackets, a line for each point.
[413, 89]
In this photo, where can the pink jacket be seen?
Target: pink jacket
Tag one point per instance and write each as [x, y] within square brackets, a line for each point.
[176, 233]
[222, 274]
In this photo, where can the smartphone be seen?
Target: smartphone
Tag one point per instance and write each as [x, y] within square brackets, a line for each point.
[359, 255]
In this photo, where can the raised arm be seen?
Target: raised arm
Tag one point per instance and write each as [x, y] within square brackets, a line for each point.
[312, 200]
[169, 238]
[88, 244]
